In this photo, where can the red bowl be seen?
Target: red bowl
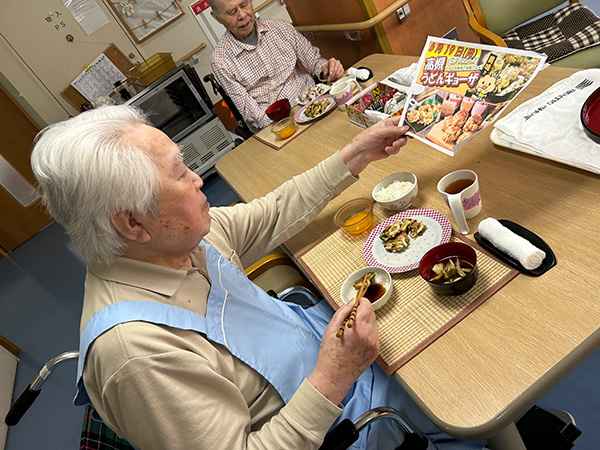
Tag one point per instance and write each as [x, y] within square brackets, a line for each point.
[279, 110]
[590, 116]
[442, 253]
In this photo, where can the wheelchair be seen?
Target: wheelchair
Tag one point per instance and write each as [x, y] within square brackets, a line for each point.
[279, 276]
[242, 128]
[95, 434]
[94, 430]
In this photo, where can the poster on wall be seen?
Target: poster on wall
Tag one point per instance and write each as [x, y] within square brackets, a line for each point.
[87, 13]
[143, 18]
[462, 87]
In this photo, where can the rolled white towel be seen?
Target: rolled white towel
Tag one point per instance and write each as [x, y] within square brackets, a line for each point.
[361, 74]
[512, 244]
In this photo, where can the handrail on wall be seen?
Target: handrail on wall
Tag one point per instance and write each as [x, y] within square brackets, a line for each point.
[370, 23]
[193, 52]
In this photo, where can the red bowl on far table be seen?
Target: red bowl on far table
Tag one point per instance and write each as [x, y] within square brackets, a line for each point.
[279, 110]
[590, 116]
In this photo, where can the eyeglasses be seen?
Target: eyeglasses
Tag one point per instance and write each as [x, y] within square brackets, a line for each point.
[242, 6]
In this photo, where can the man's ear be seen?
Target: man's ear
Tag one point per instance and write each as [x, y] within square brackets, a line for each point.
[127, 226]
[212, 13]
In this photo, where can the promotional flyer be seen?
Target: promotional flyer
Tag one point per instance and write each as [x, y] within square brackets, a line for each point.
[462, 87]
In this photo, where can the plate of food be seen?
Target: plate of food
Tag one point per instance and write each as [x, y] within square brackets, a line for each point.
[315, 109]
[312, 92]
[399, 242]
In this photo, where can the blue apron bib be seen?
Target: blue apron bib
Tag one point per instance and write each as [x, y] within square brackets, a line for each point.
[262, 331]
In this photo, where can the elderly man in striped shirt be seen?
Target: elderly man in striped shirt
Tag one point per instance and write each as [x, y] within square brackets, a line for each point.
[260, 61]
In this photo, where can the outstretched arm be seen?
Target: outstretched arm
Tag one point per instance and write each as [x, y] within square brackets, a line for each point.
[260, 225]
[376, 142]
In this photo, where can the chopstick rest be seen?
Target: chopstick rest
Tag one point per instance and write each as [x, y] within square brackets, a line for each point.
[512, 244]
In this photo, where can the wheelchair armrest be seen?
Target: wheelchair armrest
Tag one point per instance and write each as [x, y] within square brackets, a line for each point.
[310, 298]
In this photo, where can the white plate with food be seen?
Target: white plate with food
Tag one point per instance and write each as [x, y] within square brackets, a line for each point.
[315, 109]
[311, 93]
[397, 244]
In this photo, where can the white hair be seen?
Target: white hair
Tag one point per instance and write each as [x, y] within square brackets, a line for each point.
[216, 7]
[88, 169]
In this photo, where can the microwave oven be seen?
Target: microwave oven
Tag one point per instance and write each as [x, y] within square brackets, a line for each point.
[179, 106]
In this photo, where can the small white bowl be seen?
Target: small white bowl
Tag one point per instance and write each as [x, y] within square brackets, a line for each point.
[400, 203]
[348, 293]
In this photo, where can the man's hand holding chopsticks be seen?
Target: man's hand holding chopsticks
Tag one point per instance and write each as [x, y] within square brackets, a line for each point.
[342, 360]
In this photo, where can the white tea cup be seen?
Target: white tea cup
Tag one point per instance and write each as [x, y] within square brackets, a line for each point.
[343, 90]
[460, 190]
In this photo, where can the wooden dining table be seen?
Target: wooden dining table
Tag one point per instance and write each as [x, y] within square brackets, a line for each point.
[482, 374]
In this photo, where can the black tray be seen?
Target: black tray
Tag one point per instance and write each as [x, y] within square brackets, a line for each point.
[370, 74]
[548, 262]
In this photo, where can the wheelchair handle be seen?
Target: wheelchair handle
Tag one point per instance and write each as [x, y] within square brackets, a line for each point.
[21, 406]
[32, 391]
[210, 78]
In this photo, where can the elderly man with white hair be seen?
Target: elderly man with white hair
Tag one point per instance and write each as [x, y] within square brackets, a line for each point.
[179, 350]
[260, 61]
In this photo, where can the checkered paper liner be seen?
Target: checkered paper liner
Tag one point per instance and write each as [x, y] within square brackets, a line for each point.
[415, 316]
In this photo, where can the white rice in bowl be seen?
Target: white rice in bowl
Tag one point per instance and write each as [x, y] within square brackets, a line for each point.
[392, 191]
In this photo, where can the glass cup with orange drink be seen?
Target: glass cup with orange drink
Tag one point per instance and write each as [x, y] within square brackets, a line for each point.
[355, 217]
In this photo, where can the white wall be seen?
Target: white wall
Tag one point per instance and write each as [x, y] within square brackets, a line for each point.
[37, 61]
[8, 370]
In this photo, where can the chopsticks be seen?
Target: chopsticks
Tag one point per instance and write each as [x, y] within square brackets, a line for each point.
[349, 321]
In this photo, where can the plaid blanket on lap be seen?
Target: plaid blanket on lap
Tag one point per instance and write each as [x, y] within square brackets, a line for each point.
[95, 435]
[560, 34]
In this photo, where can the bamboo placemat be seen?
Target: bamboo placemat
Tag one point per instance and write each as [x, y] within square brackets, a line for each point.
[267, 137]
[414, 317]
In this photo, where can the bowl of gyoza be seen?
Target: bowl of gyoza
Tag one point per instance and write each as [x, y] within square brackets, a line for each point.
[396, 192]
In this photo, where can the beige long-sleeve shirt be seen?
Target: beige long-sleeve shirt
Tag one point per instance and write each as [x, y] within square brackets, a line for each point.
[166, 388]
